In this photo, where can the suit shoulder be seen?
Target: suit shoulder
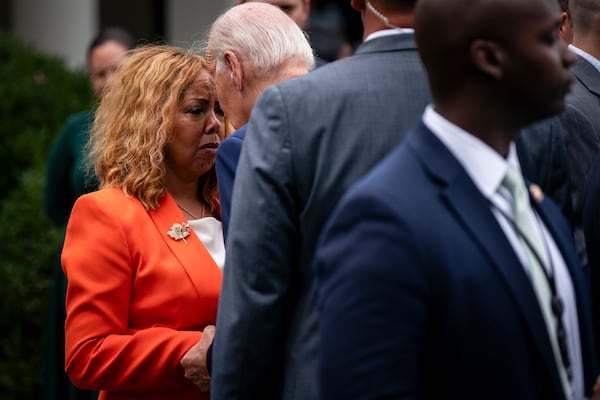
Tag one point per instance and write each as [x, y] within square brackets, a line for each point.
[230, 147]
[397, 178]
[109, 198]
[355, 67]
[236, 136]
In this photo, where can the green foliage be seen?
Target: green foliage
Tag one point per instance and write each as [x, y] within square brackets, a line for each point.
[36, 95]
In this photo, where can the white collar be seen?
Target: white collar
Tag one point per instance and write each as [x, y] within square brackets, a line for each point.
[585, 55]
[388, 32]
[482, 163]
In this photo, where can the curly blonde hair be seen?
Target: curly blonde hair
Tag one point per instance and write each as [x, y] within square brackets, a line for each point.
[134, 123]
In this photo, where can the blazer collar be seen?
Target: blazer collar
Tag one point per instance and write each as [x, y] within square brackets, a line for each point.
[190, 252]
[404, 41]
[473, 210]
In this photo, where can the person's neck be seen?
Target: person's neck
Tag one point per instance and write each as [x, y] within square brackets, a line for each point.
[372, 24]
[186, 198]
[492, 128]
[588, 43]
[182, 190]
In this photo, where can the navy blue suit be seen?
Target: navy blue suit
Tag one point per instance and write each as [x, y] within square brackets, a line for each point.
[228, 155]
[422, 295]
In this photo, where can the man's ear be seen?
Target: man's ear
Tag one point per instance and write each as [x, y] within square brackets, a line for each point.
[564, 19]
[234, 65]
[565, 31]
[488, 57]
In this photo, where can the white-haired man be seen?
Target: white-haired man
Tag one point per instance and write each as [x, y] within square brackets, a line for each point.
[251, 46]
[308, 139]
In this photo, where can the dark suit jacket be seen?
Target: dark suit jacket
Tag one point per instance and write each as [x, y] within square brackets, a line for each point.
[544, 160]
[308, 140]
[228, 155]
[422, 295]
[581, 120]
[591, 228]
[66, 177]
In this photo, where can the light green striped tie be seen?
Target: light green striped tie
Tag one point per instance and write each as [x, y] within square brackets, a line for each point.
[531, 242]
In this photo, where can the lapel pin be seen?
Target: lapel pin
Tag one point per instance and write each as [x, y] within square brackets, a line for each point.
[536, 192]
[180, 231]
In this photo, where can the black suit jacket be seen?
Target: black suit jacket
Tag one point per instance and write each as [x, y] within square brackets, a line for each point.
[591, 229]
[544, 160]
[581, 121]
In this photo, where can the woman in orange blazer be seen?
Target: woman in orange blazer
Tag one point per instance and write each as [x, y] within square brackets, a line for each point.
[142, 255]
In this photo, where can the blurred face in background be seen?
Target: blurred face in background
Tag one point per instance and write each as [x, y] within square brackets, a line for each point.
[295, 9]
[103, 61]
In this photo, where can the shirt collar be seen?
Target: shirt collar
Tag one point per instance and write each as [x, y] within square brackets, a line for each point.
[482, 163]
[388, 32]
[585, 55]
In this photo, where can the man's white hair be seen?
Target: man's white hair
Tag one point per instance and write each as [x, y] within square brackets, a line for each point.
[262, 35]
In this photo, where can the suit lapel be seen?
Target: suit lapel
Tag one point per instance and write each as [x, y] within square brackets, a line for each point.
[191, 253]
[580, 285]
[473, 212]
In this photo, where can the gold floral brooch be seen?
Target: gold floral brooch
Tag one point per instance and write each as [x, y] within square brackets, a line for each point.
[180, 231]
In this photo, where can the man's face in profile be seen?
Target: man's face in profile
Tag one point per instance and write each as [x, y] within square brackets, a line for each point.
[296, 9]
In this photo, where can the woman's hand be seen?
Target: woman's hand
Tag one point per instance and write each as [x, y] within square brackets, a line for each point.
[194, 361]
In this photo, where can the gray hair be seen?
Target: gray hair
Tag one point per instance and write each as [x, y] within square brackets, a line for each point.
[259, 34]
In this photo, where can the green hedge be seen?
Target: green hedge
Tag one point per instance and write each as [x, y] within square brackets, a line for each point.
[36, 95]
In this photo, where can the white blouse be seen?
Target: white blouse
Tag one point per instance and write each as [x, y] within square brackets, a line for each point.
[210, 231]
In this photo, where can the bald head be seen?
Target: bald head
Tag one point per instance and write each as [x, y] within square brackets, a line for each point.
[447, 29]
[495, 53]
[564, 5]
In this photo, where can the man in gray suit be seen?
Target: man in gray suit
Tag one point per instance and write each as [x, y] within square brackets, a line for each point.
[308, 140]
[581, 118]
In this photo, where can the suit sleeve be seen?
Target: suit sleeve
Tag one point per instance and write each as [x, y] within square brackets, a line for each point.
[583, 143]
[102, 351]
[374, 305]
[227, 160]
[591, 228]
[258, 268]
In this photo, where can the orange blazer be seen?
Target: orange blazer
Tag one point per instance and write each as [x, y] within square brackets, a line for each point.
[137, 299]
